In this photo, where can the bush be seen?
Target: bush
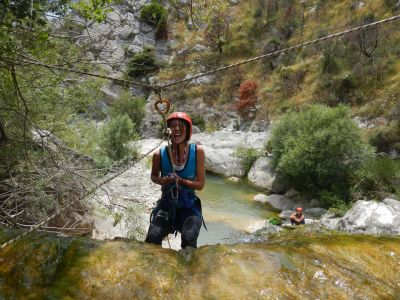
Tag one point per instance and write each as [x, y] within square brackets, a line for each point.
[318, 148]
[247, 97]
[115, 136]
[155, 15]
[132, 106]
[142, 63]
[198, 121]
[247, 157]
[386, 137]
[379, 178]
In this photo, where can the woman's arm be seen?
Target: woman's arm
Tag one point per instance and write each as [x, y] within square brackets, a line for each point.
[197, 184]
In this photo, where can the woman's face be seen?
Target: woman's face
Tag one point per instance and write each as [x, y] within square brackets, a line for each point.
[178, 131]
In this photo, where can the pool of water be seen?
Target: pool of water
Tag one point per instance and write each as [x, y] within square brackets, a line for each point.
[229, 211]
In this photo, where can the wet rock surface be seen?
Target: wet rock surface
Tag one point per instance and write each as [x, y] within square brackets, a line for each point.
[324, 266]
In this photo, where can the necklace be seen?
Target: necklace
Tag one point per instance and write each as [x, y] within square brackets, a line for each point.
[179, 164]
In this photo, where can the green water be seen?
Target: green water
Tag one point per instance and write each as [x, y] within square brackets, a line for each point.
[230, 211]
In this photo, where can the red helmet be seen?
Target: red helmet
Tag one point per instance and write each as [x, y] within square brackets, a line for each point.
[299, 209]
[185, 117]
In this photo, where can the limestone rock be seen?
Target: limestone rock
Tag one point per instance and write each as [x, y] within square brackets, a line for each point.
[280, 202]
[222, 161]
[234, 179]
[260, 174]
[285, 215]
[315, 212]
[369, 217]
[261, 198]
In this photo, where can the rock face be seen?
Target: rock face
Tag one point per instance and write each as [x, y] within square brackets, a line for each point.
[46, 266]
[260, 174]
[369, 217]
[219, 148]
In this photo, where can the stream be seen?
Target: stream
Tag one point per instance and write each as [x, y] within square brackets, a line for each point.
[230, 211]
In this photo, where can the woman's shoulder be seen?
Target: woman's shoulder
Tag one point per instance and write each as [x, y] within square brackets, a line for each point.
[198, 147]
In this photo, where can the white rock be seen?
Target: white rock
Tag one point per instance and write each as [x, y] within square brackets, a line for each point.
[369, 217]
[261, 198]
[222, 161]
[133, 49]
[234, 179]
[280, 202]
[260, 174]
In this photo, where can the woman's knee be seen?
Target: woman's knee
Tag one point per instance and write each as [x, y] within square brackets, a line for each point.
[154, 235]
[190, 231]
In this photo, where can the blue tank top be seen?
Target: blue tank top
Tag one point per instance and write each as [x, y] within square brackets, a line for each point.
[186, 196]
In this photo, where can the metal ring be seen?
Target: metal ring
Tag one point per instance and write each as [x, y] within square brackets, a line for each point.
[162, 106]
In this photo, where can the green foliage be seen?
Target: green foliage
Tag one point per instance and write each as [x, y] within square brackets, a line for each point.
[275, 221]
[247, 157]
[155, 15]
[95, 10]
[142, 63]
[115, 136]
[198, 121]
[132, 106]
[329, 63]
[386, 137]
[318, 148]
[378, 178]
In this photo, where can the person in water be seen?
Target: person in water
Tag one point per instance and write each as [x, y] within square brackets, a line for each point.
[297, 218]
[179, 209]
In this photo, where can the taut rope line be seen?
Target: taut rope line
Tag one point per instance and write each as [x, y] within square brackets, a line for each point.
[37, 63]
[68, 205]
[305, 44]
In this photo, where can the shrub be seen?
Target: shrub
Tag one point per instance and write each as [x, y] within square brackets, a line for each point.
[115, 136]
[386, 137]
[247, 157]
[142, 63]
[155, 15]
[377, 179]
[132, 106]
[247, 97]
[318, 148]
[198, 121]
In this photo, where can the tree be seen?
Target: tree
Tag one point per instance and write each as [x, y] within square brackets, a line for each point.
[247, 98]
[218, 31]
[319, 148]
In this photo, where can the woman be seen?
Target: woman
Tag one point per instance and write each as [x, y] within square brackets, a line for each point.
[179, 209]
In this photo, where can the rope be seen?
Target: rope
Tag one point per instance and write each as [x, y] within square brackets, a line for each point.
[328, 37]
[37, 63]
[158, 88]
[65, 207]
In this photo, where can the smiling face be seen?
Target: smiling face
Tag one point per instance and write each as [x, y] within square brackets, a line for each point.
[178, 131]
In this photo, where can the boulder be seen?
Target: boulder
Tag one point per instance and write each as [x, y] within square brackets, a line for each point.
[260, 174]
[261, 198]
[285, 215]
[219, 148]
[280, 202]
[234, 179]
[315, 213]
[369, 217]
[222, 161]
